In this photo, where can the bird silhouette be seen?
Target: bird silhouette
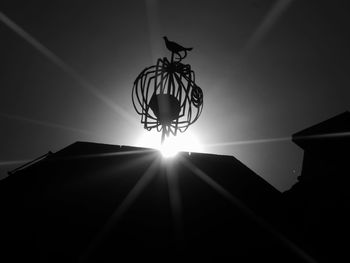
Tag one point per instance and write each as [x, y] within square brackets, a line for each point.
[175, 48]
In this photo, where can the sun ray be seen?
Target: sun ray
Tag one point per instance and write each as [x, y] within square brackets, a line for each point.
[67, 68]
[275, 12]
[141, 184]
[247, 211]
[233, 143]
[111, 154]
[112, 171]
[154, 29]
[175, 199]
[44, 123]
[325, 135]
[13, 162]
[280, 139]
[131, 163]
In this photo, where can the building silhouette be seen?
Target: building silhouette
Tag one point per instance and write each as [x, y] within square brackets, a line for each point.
[93, 202]
[319, 204]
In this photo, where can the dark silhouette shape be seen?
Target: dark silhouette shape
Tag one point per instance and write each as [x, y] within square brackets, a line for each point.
[318, 205]
[30, 163]
[165, 107]
[166, 95]
[175, 48]
[54, 209]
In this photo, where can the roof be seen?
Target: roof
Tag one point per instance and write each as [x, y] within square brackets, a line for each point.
[103, 201]
[333, 130]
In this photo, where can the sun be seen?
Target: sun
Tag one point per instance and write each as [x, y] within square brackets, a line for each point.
[186, 142]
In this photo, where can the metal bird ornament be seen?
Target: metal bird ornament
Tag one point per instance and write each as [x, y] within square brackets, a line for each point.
[175, 48]
[166, 95]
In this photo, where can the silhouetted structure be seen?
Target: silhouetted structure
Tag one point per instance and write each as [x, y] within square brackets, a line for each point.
[103, 203]
[176, 49]
[319, 204]
[55, 208]
[166, 95]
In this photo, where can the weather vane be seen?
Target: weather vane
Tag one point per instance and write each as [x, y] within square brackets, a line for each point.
[166, 95]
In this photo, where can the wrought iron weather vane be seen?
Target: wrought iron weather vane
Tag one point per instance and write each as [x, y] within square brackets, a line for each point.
[166, 95]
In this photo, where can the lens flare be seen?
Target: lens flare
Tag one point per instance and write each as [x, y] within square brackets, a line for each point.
[188, 142]
[168, 149]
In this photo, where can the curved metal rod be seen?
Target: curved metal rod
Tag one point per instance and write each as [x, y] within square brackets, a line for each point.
[173, 78]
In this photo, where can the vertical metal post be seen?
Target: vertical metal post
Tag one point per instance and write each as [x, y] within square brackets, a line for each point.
[163, 134]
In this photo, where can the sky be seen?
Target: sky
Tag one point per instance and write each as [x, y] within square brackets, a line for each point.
[268, 69]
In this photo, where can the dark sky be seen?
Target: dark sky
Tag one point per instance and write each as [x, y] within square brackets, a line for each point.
[267, 69]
